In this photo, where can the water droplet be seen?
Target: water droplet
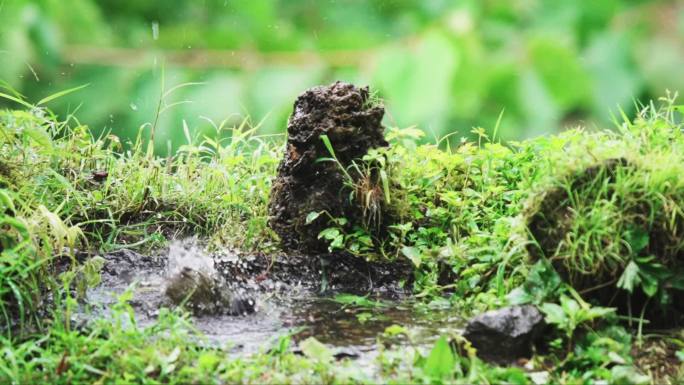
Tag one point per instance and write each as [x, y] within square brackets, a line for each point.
[134, 107]
[155, 30]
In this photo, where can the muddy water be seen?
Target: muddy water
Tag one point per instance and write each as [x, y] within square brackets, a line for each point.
[287, 306]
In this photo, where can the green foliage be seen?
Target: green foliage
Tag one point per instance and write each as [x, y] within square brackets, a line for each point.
[443, 65]
[542, 283]
[570, 314]
[603, 354]
[62, 189]
[118, 199]
[357, 301]
[440, 363]
[19, 268]
[459, 215]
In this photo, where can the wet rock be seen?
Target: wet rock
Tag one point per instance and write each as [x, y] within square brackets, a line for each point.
[346, 115]
[506, 334]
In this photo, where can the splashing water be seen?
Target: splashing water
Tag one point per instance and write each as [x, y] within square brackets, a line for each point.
[283, 308]
[187, 254]
[193, 281]
[155, 30]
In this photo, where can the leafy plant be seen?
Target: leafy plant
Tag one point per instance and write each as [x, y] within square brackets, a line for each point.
[542, 283]
[570, 314]
[358, 301]
[440, 363]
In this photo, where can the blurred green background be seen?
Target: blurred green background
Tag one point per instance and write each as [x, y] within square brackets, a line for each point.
[445, 66]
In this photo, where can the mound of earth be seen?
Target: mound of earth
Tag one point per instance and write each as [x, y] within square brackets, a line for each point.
[611, 224]
[306, 182]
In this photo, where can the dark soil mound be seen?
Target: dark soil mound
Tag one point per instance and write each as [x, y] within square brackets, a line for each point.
[305, 184]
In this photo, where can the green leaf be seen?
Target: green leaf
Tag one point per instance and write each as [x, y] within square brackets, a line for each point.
[59, 94]
[17, 100]
[313, 216]
[330, 233]
[680, 355]
[315, 350]
[541, 283]
[328, 145]
[364, 317]
[598, 312]
[554, 313]
[6, 202]
[569, 305]
[630, 277]
[39, 135]
[357, 300]
[637, 239]
[413, 254]
[440, 363]
[395, 330]
[649, 284]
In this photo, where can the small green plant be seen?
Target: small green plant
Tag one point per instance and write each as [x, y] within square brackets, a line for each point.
[440, 364]
[571, 314]
[351, 300]
[542, 283]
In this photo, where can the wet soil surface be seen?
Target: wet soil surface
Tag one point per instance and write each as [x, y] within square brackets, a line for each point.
[287, 300]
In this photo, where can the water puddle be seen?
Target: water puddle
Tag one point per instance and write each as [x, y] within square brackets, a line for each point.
[283, 306]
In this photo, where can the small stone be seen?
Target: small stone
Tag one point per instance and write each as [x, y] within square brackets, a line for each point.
[504, 335]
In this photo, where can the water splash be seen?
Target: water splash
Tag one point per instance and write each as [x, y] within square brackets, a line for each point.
[193, 280]
[155, 30]
[187, 254]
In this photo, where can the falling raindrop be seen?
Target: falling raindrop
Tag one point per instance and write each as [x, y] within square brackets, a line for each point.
[155, 30]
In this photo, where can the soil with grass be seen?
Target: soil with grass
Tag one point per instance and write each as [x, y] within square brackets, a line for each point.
[363, 251]
[557, 221]
[313, 173]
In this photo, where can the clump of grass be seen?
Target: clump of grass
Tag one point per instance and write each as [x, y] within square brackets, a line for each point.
[597, 204]
[214, 187]
[613, 217]
[67, 193]
[446, 211]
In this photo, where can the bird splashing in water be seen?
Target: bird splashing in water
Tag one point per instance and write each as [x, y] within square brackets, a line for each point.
[194, 282]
